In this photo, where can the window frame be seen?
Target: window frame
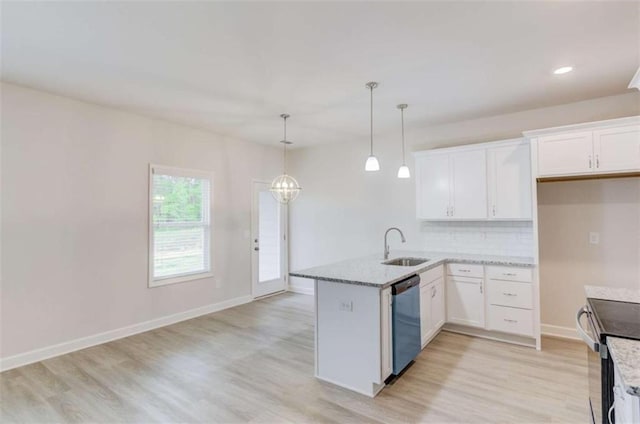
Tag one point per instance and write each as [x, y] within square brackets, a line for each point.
[178, 172]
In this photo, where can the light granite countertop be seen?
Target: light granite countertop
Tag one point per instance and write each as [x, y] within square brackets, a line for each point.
[612, 293]
[625, 352]
[626, 356]
[370, 271]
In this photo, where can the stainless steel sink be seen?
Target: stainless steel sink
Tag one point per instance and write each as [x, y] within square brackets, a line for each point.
[405, 261]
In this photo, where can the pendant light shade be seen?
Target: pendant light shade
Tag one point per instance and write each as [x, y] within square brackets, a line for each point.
[372, 161]
[403, 171]
[372, 164]
[285, 188]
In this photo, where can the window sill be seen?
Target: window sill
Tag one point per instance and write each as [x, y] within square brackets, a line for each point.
[181, 279]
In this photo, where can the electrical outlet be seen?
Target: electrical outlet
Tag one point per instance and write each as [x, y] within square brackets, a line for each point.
[346, 305]
[594, 238]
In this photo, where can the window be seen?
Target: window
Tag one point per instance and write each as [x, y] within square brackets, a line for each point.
[180, 225]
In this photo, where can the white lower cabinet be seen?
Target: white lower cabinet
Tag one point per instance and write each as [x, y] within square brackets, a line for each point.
[510, 300]
[386, 334]
[494, 298]
[432, 315]
[510, 320]
[465, 301]
[438, 315]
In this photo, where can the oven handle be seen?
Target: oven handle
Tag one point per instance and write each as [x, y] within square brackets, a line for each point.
[593, 345]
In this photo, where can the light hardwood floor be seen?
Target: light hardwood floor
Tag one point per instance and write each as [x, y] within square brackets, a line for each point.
[254, 363]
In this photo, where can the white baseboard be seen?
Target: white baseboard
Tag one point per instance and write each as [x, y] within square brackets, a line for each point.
[558, 331]
[301, 290]
[96, 339]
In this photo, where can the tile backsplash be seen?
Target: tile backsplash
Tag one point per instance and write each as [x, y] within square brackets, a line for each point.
[489, 237]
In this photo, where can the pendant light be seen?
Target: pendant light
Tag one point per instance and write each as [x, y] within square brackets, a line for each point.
[403, 171]
[285, 188]
[372, 162]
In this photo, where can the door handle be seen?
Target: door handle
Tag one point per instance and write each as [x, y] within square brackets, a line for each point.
[593, 345]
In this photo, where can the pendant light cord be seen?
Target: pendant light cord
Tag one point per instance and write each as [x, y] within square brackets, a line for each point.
[371, 132]
[284, 160]
[402, 119]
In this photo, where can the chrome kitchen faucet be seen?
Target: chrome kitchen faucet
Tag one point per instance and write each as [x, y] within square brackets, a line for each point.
[386, 245]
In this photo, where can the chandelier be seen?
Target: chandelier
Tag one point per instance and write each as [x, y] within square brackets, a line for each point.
[285, 188]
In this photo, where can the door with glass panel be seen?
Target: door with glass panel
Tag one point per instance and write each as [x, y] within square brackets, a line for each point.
[268, 242]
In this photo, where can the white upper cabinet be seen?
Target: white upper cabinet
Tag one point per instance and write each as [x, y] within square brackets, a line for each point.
[452, 185]
[432, 187]
[469, 185]
[475, 183]
[565, 154]
[509, 181]
[617, 149]
[605, 147]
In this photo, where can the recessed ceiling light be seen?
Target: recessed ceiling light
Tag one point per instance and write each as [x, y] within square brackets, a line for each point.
[563, 70]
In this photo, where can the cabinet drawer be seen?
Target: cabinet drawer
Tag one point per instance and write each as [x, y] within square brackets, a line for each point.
[430, 275]
[524, 275]
[511, 320]
[507, 293]
[465, 270]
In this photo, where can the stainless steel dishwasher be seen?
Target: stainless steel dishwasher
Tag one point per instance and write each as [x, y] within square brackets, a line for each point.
[406, 322]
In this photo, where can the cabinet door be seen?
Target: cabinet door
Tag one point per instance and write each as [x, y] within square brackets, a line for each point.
[386, 335]
[617, 149]
[437, 304]
[425, 312]
[509, 177]
[432, 186]
[469, 184]
[465, 301]
[565, 154]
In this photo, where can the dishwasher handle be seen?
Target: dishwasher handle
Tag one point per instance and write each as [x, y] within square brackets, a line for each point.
[405, 285]
[593, 345]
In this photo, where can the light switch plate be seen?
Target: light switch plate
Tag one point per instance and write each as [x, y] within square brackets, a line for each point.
[594, 238]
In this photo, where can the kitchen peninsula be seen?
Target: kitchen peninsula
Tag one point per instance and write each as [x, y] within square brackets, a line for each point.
[490, 296]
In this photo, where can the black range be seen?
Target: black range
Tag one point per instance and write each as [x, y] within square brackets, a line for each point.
[605, 318]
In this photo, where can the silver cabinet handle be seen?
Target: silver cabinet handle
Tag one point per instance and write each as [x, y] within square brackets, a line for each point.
[582, 333]
[480, 287]
[597, 161]
[509, 274]
[494, 210]
[433, 292]
[510, 320]
[590, 163]
[465, 270]
[509, 294]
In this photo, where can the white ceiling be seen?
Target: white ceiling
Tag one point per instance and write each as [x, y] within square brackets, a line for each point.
[234, 67]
